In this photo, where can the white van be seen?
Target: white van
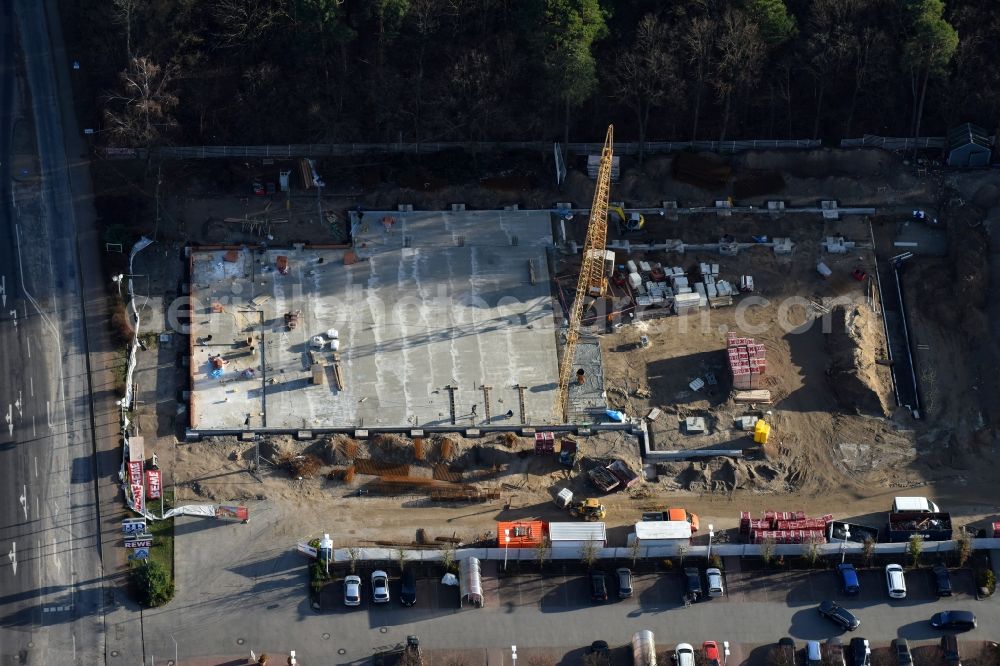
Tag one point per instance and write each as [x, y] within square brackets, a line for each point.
[914, 504]
[895, 581]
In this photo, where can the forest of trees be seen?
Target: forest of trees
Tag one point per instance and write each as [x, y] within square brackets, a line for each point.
[283, 71]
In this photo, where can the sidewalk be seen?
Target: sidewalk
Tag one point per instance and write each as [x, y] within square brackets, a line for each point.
[122, 617]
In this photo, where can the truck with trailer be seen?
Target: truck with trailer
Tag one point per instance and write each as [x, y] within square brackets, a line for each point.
[934, 526]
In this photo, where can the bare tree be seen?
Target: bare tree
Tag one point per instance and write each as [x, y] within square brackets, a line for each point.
[963, 544]
[914, 547]
[124, 13]
[699, 42]
[244, 21]
[868, 550]
[644, 74]
[542, 552]
[741, 55]
[635, 550]
[829, 46]
[354, 554]
[140, 111]
[767, 550]
[588, 553]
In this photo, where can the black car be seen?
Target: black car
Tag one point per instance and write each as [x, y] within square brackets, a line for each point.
[861, 651]
[598, 586]
[949, 647]
[693, 589]
[958, 620]
[601, 654]
[942, 580]
[408, 588]
[785, 655]
[902, 650]
[839, 615]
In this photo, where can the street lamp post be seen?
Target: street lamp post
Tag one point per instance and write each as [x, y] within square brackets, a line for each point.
[513, 655]
[725, 653]
[843, 545]
[506, 549]
[711, 534]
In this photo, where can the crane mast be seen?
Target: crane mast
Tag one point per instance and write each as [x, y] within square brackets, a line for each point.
[591, 282]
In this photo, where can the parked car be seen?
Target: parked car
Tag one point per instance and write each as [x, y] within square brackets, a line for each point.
[814, 653]
[711, 650]
[693, 588]
[895, 581]
[684, 655]
[949, 646]
[352, 591]
[715, 588]
[958, 620]
[861, 651]
[624, 582]
[600, 654]
[902, 650]
[598, 586]
[839, 615]
[848, 579]
[380, 587]
[408, 588]
[785, 654]
[835, 652]
[942, 580]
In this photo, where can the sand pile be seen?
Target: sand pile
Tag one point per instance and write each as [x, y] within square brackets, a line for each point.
[854, 344]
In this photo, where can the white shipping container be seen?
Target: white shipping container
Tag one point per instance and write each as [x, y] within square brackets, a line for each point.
[647, 531]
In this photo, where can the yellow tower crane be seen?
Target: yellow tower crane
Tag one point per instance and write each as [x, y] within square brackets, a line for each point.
[591, 283]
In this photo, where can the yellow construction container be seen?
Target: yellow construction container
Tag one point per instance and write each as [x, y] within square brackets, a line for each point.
[761, 431]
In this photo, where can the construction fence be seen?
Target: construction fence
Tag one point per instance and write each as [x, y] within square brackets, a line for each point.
[896, 142]
[832, 549]
[292, 151]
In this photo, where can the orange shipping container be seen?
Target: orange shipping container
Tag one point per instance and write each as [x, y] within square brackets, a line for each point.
[523, 534]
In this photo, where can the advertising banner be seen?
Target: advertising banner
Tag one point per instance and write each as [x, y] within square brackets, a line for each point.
[135, 471]
[232, 513]
[153, 483]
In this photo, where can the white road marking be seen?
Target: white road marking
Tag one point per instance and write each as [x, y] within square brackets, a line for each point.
[34, 433]
[17, 404]
[10, 419]
[48, 413]
[12, 556]
[27, 341]
[24, 500]
[55, 555]
[36, 467]
[13, 314]
[31, 381]
[38, 513]
[3, 289]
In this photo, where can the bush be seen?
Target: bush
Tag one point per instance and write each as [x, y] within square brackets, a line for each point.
[988, 580]
[152, 583]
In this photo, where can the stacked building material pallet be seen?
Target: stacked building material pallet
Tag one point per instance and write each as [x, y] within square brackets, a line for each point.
[747, 362]
[783, 527]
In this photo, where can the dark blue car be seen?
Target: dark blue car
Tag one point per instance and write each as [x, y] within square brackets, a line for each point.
[849, 579]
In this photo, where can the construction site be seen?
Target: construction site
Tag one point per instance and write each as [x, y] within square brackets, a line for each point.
[731, 344]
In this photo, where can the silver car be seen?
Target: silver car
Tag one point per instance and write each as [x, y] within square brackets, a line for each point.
[380, 587]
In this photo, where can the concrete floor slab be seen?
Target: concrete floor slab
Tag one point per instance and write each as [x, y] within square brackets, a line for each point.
[430, 300]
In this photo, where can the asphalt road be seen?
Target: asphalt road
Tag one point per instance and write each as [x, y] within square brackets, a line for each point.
[51, 574]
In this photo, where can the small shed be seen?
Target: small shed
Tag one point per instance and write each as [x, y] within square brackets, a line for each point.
[577, 535]
[969, 146]
[522, 534]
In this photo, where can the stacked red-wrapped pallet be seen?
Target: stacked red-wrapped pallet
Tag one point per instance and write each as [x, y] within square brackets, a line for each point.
[783, 527]
[747, 361]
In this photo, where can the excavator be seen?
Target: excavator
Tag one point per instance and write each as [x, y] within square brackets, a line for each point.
[626, 222]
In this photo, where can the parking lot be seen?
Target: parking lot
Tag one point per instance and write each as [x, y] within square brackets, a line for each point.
[660, 591]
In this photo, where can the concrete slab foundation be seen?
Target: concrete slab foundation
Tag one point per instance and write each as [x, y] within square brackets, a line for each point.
[431, 317]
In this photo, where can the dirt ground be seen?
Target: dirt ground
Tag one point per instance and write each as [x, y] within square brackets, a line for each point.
[837, 444]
